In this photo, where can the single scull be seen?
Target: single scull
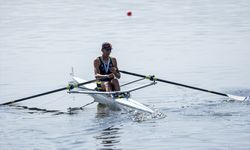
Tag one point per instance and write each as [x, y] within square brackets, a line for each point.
[115, 100]
[119, 99]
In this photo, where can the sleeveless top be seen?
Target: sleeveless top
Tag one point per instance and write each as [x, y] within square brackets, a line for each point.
[105, 66]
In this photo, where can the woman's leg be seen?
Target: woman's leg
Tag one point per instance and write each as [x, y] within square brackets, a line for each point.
[107, 86]
[115, 84]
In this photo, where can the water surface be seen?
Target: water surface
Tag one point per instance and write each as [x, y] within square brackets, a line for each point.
[198, 43]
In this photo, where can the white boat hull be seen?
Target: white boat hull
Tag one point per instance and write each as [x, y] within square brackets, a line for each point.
[113, 103]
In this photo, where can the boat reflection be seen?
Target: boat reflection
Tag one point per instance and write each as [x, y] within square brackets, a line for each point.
[102, 110]
[109, 138]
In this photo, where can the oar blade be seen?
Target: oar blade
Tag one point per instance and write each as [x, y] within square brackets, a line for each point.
[238, 98]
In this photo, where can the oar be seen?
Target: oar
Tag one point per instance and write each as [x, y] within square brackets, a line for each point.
[69, 87]
[235, 97]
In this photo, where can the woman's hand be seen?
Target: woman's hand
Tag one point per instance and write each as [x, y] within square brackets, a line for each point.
[113, 70]
[111, 76]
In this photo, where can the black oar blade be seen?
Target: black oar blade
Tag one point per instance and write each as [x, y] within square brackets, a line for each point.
[235, 97]
[46, 93]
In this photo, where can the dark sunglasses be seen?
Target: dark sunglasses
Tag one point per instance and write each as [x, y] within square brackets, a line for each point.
[107, 49]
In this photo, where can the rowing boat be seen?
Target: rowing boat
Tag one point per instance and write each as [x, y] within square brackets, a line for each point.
[116, 100]
[121, 99]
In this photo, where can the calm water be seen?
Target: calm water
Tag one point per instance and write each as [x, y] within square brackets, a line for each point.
[200, 43]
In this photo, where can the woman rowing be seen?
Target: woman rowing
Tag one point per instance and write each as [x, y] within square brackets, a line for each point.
[106, 70]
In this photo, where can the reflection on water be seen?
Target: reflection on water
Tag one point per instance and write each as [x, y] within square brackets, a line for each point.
[102, 111]
[32, 110]
[109, 137]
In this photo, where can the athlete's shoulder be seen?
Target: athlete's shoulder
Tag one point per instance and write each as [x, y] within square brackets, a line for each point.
[113, 58]
[97, 60]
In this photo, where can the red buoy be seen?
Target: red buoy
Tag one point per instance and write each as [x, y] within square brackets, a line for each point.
[129, 13]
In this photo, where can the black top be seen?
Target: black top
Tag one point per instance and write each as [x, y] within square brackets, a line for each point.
[102, 66]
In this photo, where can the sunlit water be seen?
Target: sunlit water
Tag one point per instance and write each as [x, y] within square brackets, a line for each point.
[198, 43]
